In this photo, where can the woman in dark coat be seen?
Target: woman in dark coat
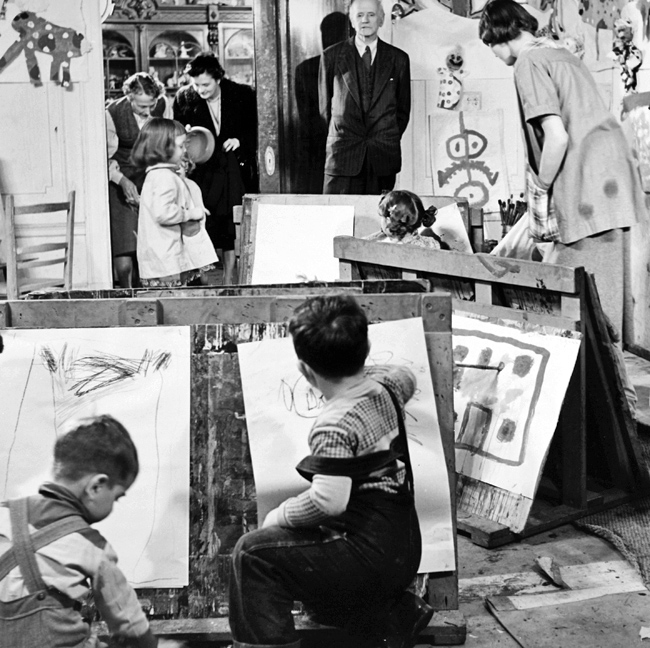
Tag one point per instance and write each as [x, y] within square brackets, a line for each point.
[229, 111]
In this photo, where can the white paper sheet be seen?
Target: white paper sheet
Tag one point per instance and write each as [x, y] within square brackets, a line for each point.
[450, 228]
[281, 406]
[141, 376]
[294, 243]
[505, 419]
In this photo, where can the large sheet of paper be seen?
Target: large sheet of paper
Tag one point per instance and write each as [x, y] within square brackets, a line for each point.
[506, 417]
[281, 407]
[294, 243]
[141, 376]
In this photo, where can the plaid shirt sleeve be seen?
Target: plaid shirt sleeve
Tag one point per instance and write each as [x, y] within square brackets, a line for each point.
[543, 220]
[358, 432]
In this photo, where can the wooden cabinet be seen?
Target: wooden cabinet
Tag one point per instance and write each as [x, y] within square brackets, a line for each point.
[151, 36]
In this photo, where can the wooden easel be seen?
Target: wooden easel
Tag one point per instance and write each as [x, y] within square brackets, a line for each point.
[222, 504]
[596, 458]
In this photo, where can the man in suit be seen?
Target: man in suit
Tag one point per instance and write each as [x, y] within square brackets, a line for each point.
[365, 97]
[229, 111]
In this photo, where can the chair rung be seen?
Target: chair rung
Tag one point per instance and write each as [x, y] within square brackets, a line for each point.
[41, 247]
[44, 208]
[35, 263]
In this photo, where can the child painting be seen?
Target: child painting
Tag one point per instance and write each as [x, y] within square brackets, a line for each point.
[52, 560]
[173, 245]
[405, 220]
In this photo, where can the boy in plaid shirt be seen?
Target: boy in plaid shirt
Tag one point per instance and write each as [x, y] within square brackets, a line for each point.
[348, 546]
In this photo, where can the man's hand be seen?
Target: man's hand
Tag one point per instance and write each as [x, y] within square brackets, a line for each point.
[231, 144]
[130, 192]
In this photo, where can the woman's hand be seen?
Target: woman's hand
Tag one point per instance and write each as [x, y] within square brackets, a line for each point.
[231, 144]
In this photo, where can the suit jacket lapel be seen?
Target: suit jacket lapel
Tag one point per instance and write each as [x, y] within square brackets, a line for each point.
[348, 70]
[384, 69]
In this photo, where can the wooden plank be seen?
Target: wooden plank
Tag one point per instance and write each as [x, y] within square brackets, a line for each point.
[446, 628]
[504, 313]
[480, 267]
[436, 315]
[572, 432]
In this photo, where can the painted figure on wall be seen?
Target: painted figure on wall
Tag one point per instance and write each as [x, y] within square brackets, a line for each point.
[40, 35]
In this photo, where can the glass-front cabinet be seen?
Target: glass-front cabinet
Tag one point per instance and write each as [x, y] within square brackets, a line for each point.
[160, 38]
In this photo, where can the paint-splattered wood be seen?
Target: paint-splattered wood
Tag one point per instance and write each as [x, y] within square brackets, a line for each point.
[478, 267]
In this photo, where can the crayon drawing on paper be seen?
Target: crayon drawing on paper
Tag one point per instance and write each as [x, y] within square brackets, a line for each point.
[140, 376]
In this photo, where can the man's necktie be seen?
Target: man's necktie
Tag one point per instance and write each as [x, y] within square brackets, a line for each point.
[367, 58]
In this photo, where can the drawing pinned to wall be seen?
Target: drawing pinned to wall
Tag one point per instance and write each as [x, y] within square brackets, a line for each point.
[467, 156]
[509, 387]
[141, 376]
[41, 40]
[280, 407]
[451, 79]
[294, 243]
[601, 15]
[628, 56]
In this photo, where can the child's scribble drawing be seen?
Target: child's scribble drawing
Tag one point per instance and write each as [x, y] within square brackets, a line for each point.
[141, 376]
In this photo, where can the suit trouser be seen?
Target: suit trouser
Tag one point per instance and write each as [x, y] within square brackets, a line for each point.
[366, 182]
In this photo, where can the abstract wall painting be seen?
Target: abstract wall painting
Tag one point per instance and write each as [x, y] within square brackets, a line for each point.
[141, 376]
[281, 407]
[468, 156]
[509, 386]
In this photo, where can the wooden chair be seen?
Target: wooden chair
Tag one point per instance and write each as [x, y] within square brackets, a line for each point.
[20, 260]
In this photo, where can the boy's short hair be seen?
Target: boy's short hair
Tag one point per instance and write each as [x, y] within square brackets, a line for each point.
[96, 445]
[503, 20]
[330, 334]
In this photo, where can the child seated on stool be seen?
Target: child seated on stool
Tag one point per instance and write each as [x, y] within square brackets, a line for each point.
[52, 560]
[349, 545]
[402, 217]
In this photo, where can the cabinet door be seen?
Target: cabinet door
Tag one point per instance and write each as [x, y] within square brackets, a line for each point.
[237, 52]
[121, 57]
[168, 49]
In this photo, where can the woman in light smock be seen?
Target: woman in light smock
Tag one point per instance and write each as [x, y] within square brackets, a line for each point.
[582, 183]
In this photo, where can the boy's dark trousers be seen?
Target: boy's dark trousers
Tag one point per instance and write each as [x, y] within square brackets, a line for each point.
[348, 574]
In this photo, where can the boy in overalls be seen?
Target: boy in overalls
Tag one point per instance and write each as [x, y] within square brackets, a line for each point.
[349, 545]
[51, 560]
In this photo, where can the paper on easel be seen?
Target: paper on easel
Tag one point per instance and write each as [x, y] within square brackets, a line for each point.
[295, 243]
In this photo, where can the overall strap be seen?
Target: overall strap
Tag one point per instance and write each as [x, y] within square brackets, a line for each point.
[401, 442]
[25, 546]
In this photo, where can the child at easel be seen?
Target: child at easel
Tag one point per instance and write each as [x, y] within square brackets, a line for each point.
[402, 216]
[173, 246]
[53, 560]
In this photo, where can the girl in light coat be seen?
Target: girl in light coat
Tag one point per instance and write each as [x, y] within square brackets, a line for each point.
[173, 246]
